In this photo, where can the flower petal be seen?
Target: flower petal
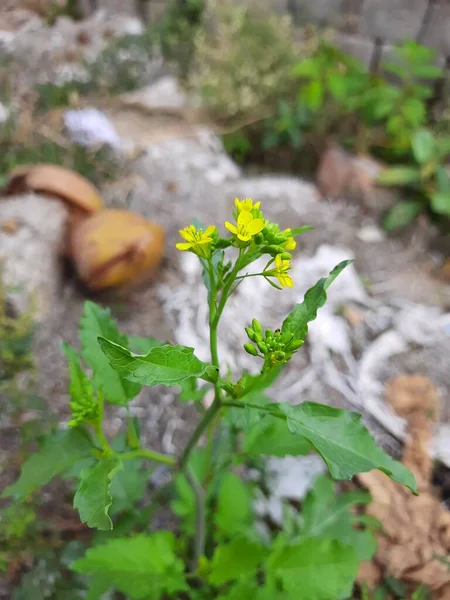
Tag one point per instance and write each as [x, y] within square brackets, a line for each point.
[255, 226]
[183, 246]
[278, 262]
[231, 227]
[245, 237]
[245, 217]
[186, 234]
[209, 231]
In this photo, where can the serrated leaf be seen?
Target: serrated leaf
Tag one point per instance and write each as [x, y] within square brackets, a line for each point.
[423, 145]
[271, 437]
[93, 496]
[58, 452]
[295, 231]
[316, 569]
[143, 566]
[327, 513]
[80, 387]
[402, 214]
[164, 365]
[96, 321]
[234, 506]
[398, 176]
[343, 442]
[297, 321]
[241, 557]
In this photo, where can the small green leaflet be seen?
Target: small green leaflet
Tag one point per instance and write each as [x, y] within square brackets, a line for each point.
[238, 558]
[83, 402]
[315, 569]
[297, 321]
[129, 486]
[143, 566]
[234, 506]
[93, 497]
[272, 437]
[142, 345]
[327, 513]
[96, 321]
[343, 442]
[166, 365]
[59, 451]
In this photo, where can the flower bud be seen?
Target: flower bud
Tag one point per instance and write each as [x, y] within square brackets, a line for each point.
[250, 349]
[286, 256]
[274, 250]
[287, 337]
[295, 345]
[279, 356]
[262, 346]
[250, 333]
[269, 334]
[259, 238]
[278, 239]
[256, 326]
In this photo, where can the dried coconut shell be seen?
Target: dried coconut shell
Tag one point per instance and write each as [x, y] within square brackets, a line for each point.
[115, 248]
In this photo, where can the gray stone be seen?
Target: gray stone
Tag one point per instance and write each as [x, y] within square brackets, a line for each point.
[31, 232]
[322, 12]
[164, 94]
[357, 46]
[437, 32]
[392, 20]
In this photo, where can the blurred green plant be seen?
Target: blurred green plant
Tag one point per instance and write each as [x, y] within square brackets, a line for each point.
[426, 177]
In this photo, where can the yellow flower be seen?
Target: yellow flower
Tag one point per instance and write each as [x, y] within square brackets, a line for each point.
[289, 244]
[247, 226]
[246, 205]
[197, 240]
[281, 271]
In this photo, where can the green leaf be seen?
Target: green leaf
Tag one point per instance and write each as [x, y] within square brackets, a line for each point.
[399, 176]
[343, 442]
[306, 68]
[326, 513]
[98, 586]
[271, 437]
[80, 387]
[316, 569]
[241, 557]
[142, 566]
[402, 214]
[295, 231]
[297, 321]
[423, 145]
[234, 506]
[440, 203]
[59, 451]
[93, 497]
[164, 365]
[312, 94]
[128, 486]
[95, 322]
[190, 392]
[443, 180]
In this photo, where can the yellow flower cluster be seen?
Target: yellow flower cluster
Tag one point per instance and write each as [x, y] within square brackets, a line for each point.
[249, 223]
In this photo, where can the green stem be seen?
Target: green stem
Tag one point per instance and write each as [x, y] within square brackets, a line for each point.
[207, 418]
[200, 512]
[226, 290]
[149, 455]
[99, 425]
[133, 438]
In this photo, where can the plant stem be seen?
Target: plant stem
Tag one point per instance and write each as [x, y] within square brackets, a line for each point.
[149, 455]
[207, 418]
[226, 290]
[200, 512]
[99, 425]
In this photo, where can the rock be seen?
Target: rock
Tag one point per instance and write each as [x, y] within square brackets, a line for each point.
[4, 113]
[29, 251]
[343, 175]
[164, 94]
[371, 234]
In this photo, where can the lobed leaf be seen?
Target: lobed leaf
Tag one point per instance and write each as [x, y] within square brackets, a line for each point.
[96, 321]
[166, 365]
[297, 321]
[399, 176]
[343, 442]
[93, 496]
[241, 557]
[272, 437]
[59, 452]
[316, 569]
[142, 566]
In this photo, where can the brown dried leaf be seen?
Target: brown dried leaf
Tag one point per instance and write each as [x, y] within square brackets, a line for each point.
[416, 529]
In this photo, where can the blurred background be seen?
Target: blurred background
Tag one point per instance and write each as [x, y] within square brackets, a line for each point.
[122, 121]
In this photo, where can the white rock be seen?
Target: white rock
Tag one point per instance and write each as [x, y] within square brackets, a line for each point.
[371, 234]
[4, 113]
[165, 93]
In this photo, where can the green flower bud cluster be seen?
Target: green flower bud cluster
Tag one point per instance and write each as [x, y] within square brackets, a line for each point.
[277, 242]
[85, 410]
[275, 347]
